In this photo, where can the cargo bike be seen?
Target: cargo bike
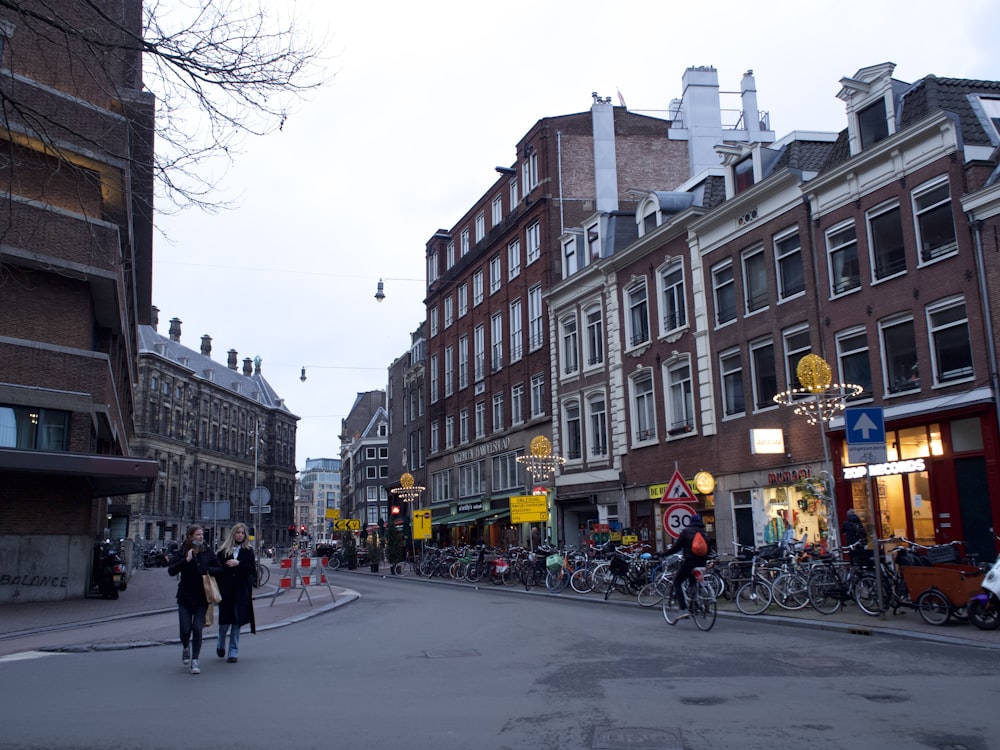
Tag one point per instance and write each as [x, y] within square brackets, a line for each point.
[940, 592]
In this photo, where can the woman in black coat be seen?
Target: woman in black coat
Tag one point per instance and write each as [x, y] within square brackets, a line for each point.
[234, 570]
[191, 562]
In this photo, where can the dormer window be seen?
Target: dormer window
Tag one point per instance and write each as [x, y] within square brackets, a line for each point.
[991, 107]
[743, 174]
[872, 124]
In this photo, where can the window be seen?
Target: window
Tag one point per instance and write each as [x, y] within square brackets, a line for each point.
[899, 352]
[872, 124]
[637, 320]
[371, 472]
[570, 259]
[432, 267]
[516, 338]
[506, 473]
[480, 419]
[463, 299]
[765, 378]
[470, 479]
[496, 211]
[449, 311]
[480, 226]
[842, 251]
[536, 335]
[479, 351]
[33, 428]
[597, 436]
[680, 398]
[371, 494]
[570, 358]
[643, 407]
[796, 347]
[451, 254]
[951, 344]
[434, 377]
[530, 172]
[755, 279]
[449, 370]
[673, 306]
[514, 193]
[497, 412]
[855, 366]
[743, 174]
[935, 222]
[494, 274]
[886, 232]
[477, 288]
[496, 342]
[517, 404]
[370, 454]
[573, 444]
[434, 321]
[514, 259]
[463, 362]
[537, 396]
[594, 251]
[435, 436]
[465, 242]
[595, 336]
[463, 426]
[731, 372]
[724, 289]
[788, 259]
[533, 242]
[440, 486]
[449, 432]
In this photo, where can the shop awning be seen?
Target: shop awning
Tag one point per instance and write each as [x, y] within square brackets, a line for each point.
[464, 518]
[106, 475]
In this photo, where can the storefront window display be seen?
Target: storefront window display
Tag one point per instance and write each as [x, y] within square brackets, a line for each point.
[794, 512]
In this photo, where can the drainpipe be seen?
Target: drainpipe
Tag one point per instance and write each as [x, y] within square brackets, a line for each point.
[977, 233]
[562, 221]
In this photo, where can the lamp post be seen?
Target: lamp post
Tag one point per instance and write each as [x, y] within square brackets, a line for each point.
[819, 400]
[539, 462]
[408, 492]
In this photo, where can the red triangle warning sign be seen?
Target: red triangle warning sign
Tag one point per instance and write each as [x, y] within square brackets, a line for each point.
[678, 491]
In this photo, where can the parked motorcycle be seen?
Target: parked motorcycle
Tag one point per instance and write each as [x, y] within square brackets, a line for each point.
[155, 557]
[109, 574]
[984, 607]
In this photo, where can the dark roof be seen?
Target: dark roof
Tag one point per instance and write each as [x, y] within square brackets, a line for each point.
[806, 156]
[932, 94]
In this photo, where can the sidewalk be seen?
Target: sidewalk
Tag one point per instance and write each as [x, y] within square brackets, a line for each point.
[145, 614]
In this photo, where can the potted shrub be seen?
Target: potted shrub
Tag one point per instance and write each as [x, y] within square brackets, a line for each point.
[373, 552]
[350, 550]
[395, 547]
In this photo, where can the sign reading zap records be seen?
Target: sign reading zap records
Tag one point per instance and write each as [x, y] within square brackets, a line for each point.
[678, 491]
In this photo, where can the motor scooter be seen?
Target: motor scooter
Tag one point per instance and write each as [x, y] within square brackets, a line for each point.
[984, 608]
[108, 576]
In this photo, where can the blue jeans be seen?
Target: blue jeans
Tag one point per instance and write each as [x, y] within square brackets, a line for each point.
[234, 639]
[192, 621]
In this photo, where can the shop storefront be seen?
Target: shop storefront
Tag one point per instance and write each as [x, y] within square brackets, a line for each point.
[939, 483]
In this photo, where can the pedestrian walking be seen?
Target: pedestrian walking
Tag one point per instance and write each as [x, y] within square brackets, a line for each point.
[234, 569]
[191, 562]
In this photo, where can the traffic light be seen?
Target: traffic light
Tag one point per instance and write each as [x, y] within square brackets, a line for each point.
[395, 510]
[302, 529]
[292, 531]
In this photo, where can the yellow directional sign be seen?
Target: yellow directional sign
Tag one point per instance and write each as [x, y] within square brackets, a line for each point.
[332, 514]
[529, 508]
[422, 524]
[347, 524]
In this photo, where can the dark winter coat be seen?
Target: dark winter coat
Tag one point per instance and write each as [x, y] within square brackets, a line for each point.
[853, 529]
[190, 590]
[683, 542]
[236, 587]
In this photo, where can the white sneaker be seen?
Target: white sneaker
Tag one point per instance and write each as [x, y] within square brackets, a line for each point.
[186, 656]
[195, 667]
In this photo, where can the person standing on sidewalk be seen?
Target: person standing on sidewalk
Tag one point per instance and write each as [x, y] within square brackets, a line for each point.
[191, 562]
[234, 570]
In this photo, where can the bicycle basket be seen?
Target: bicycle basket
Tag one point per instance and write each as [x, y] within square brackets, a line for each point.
[618, 566]
[502, 566]
[942, 554]
[769, 551]
[554, 562]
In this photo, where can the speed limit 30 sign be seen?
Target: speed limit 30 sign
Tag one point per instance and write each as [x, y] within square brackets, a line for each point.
[676, 518]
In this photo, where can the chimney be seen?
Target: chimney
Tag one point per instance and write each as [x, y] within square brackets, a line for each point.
[206, 345]
[155, 317]
[231, 364]
[175, 329]
[256, 365]
[602, 114]
[748, 99]
[247, 369]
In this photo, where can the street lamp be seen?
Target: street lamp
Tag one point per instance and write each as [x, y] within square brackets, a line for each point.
[539, 462]
[819, 400]
[408, 492]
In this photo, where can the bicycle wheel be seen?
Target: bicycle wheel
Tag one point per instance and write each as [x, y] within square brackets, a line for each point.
[866, 595]
[702, 606]
[753, 597]
[601, 578]
[790, 591]
[671, 612]
[614, 582]
[333, 562]
[824, 591]
[581, 581]
[263, 575]
[557, 580]
[652, 593]
[985, 615]
[934, 607]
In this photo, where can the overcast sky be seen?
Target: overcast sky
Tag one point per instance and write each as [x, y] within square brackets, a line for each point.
[425, 99]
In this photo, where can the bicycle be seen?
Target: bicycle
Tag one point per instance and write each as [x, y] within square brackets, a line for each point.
[754, 596]
[700, 596]
[831, 583]
[262, 574]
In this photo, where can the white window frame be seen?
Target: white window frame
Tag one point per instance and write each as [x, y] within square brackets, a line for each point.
[755, 287]
[498, 412]
[496, 342]
[449, 311]
[537, 396]
[435, 436]
[495, 272]
[731, 371]
[449, 432]
[480, 226]
[463, 362]
[642, 405]
[569, 345]
[673, 299]
[514, 259]
[788, 255]
[433, 377]
[678, 388]
[517, 404]
[533, 242]
[449, 371]
[926, 255]
[838, 244]
[480, 420]
[594, 339]
[762, 401]
[434, 321]
[477, 288]
[882, 271]
[479, 351]
[463, 300]
[464, 242]
[516, 331]
[496, 210]
[724, 285]
[597, 425]
[636, 304]
[536, 329]
[463, 426]
[572, 426]
[940, 323]
[794, 350]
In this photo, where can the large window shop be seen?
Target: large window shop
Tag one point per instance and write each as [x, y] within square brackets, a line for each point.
[934, 486]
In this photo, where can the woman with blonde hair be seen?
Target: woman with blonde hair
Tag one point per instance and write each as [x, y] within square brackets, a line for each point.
[234, 570]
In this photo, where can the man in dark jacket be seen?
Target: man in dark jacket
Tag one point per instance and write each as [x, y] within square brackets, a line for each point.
[854, 531]
[691, 559]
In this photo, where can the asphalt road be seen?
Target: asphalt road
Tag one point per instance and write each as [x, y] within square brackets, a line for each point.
[425, 667]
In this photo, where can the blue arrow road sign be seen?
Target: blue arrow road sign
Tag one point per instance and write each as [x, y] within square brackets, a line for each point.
[864, 427]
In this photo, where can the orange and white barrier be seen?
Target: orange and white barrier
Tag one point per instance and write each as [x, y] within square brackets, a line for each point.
[311, 571]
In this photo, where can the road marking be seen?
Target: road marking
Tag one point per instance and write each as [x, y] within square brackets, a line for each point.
[25, 655]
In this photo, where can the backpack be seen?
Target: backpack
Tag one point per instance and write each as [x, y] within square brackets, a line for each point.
[698, 544]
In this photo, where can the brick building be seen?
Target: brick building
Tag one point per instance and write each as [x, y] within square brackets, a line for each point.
[75, 281]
